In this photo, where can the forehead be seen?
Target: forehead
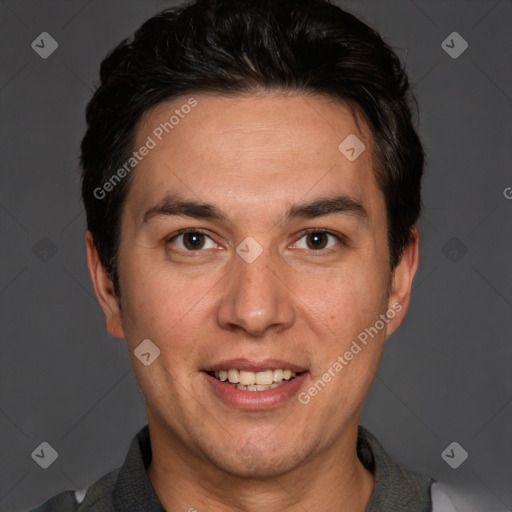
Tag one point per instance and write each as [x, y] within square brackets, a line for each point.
[263, 148]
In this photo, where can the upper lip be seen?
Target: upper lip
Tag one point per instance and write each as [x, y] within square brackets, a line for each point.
[255, 366]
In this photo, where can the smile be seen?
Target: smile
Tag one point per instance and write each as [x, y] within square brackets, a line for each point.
[254, 381]
[255, 385]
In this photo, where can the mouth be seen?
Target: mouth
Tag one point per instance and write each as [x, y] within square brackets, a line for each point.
[255, 381]
[255, 386]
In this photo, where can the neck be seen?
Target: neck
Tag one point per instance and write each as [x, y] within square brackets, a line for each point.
[334, 480]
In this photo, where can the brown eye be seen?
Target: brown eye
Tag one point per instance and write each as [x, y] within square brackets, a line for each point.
[320, 240]
[317, 240]
[188, 241]
[193, 241]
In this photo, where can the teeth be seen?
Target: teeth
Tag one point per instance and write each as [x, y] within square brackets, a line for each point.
[278, 375]
[247, 378]
[266, 377]
[255, 381]
[233, 376]
[259, 387]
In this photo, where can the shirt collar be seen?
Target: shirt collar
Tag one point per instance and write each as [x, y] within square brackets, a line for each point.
[396, 487]
[133, 490]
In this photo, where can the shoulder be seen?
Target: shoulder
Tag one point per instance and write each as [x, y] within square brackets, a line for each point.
[64, 502]
[98, 497]
[124, 488]
[396, 487]
[441, 501]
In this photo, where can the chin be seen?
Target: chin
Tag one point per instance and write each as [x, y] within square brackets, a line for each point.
[251, 462]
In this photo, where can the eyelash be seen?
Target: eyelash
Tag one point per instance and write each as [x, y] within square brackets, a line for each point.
[339, 236]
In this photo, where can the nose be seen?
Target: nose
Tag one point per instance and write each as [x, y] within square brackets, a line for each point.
[255, 298]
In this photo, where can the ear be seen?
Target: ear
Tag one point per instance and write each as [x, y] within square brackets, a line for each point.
[104, 289]
[402, 278]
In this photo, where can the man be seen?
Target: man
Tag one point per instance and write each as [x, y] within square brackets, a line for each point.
[251, 178]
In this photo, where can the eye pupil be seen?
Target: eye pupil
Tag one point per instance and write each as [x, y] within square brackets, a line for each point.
[193, 240]
[319, 240]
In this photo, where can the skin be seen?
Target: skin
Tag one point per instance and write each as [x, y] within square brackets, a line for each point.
[253, 157]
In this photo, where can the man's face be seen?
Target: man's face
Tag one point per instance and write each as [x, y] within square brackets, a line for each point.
[256, 289]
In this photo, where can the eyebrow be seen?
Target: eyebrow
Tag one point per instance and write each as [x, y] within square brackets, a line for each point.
[176, 205]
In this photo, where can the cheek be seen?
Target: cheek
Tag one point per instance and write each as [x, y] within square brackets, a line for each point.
[351, 306]
[351, 300]
[163, 306]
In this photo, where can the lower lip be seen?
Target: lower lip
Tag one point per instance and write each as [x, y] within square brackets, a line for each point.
[256, 400]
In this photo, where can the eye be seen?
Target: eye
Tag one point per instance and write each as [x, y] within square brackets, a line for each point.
[318, 239]
[191, 240]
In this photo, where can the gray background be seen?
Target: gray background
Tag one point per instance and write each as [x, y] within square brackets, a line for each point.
[445, 375]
